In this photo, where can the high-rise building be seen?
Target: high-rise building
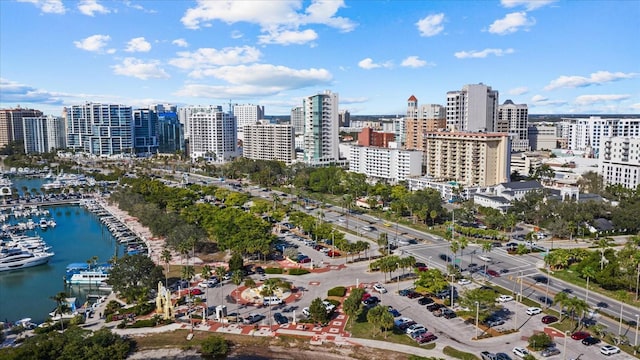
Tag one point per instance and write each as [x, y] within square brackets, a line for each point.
[100, 129]
[43, 134]
[170, 133]
[344, 118]
[183, 117]
[297, 119]
[514, 119]
[422, 119]
[472, 159]
[212, 134]
[145, 132]
[543, 136]
[474, 108]
[619, 162]
[247, 114]
[11, 127]
[264, 141]
[392, 165]
[321, 129]
[585, 134]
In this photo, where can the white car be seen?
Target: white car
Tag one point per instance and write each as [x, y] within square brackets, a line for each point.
[609, 350]
[379, 288]
[306, 312]
[521, 352]
[415, 328]
[464, 282]
[504, 298]
[328, 306]
[533, 311]
[485, 258]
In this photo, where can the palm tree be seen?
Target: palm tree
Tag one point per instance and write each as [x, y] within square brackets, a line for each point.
[576, 306]
[221, 271]
[205, 272]
[166, 257]
[236, 279]
[61, 306]
[486, 247]
[588, 272]
[562, 299]
[603, 245]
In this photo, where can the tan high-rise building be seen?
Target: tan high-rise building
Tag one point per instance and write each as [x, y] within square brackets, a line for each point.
[264, 141]
[471, 159]
[11, 126]
[420, 120]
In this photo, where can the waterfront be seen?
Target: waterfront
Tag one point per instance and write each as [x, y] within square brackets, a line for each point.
[78, 237]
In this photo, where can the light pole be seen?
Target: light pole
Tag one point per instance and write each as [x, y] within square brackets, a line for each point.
[398, 278]
[478, 314]
[635, 342]
[620, 326]
[564, 350]
[453, 276]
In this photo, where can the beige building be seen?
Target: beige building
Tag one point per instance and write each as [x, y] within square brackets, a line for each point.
[264, 141]
[420, 120]
[471, 159]
[11, 125]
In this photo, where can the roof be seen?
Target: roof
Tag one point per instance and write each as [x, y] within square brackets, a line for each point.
[413, 98]
[522, 185]
[499, 199]
[603, 224]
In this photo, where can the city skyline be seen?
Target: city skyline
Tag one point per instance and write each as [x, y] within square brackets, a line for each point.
[557, 57]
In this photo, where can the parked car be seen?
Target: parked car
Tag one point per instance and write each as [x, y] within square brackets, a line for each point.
[494, 323]
[435, 306]
[415, 327]
[609, 350]
[413, 295]
[464, 282]
[493, 273]
[519, 351]
[448, 313]
[371, 301]
[425, 338]
[504, 298]
[579, 335]
[590, 340]
[400, 321]
[252, 318]
[379, 288]
[280, 319]
[550, 351]
[549, 319]
[234, 317]
[425, 300]
[533, 311]
[305, 312]
[393, 311]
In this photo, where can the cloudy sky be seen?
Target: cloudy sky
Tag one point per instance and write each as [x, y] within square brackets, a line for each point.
[555, 56]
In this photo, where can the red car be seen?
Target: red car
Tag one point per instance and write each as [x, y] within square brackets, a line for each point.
[579, 335]
[425, 338]
[549, 319]
[493, 273]
[332, 253]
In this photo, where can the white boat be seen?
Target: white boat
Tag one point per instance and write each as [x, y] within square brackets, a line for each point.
[16, 258]
[52, 223]
[88, 276]
[44, 224]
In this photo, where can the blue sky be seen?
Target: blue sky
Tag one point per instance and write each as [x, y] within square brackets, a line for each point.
[556, 56]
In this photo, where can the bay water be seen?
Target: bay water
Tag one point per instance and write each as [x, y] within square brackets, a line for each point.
[78, 236]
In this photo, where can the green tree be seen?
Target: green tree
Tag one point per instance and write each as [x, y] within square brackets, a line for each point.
[381, 319]
[540, 341]
[352, 305]
[485, 298]
[134, 275]
[236, 262]
[432, 280]
[214, 347]
[165, 256]
[205, 273]
[61, 306]
[318, 312]
[236, 279]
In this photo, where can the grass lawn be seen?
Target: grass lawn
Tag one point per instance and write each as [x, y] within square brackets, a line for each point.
[360, 328]
[457, 354]
[574, 278]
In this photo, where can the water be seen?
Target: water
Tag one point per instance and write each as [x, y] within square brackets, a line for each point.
[78, 237]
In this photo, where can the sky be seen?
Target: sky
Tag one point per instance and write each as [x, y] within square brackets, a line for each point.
[556, 56]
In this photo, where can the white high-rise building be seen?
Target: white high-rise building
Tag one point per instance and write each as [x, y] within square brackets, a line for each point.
[247, 114]
[43, 134]
[100, 129]
[585, 134]
[297, 119]
[619, 161]
[474, 108]
[264, 141]
[212, 134]
[321, 129]
[514, 120]
[379, 163]
[183, 119]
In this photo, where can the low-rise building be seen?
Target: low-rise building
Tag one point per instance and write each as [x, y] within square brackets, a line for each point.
[392, 165]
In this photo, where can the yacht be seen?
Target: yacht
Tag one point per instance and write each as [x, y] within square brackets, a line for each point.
[83, 274]
[17, 258]
[44, 224]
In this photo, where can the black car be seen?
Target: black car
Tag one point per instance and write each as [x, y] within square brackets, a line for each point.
[260, 270]
[371, 301]
[541, 279]
[448, 313]
[435, 306]
[280, 319]
[425, 301]
[588, 341]
[445, 257]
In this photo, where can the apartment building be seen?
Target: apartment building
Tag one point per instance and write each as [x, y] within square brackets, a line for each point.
[514, 120]
[369, 137]
[391, 165]
[585, 134]
[11, 126]
[474, 108]
[321, 136]
[470, 159]
[247, 114]
[297, 119]
[100, 129]
[619, 161]
[420, 120]
[43, 134]
[264, 141]
[212, 134]
[543, 136]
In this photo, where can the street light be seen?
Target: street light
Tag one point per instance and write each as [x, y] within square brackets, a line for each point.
[453, 276]
[635, 342]
[478, 314]
[564, 351]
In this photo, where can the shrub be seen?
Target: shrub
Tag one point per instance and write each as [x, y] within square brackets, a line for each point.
[539, 341]
[144, 323]
[338, 291]
[214, 347]
[271, 270]
[298, 271]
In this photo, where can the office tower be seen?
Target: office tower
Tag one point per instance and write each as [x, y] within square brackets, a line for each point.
[585, 134]
[170, 133]
[212, 134]
[392, 165]
[619, 162]
[422, 119]
[100, 129]
[321, 128]
[183, 117]
[43, 134]
[145, 132]
[543, 136]
[297, 119]
[264, 141]
[474, 108]
[344, 118]
[514, 119]
[472, 159]
[11, 127]
[247, 115]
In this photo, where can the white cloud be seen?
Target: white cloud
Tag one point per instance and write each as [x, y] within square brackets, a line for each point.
[91, 7]
[225, 92]
[539, 100]
[273, 17]
[14, 92]
[483, 53]
[180, 42]
[415, 62]
[94, 43]
[138, 44]
[48, 6]
[205, 58]
[591, 99]
[635, 106]
[139, 69]
[236, 34]
[129, 4]
[519, 90]
[288, 37]
[511, 23]
[270, 76]
[596, 78]
[356, 100]
[431, 25]
[528, 4]
[368, 64]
